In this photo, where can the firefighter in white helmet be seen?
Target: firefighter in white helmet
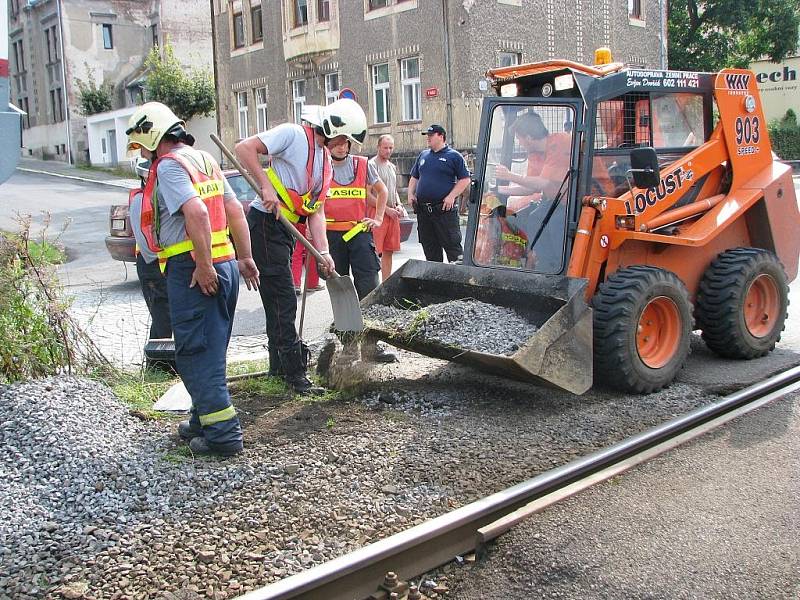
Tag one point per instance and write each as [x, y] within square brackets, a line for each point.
[296, 183]
[188, 212]
[349, 229]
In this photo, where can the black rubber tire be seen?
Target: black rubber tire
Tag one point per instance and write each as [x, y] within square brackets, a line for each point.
[618, 305]
[720, 302]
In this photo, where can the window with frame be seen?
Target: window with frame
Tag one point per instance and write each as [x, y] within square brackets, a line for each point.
[257, 23]
[380, 92]
[331, 87]
[56, 105]
[238, 30]
[323, 10]
[508, 59]
[411, 88]
[300, 12]
[241, 103]
[635, 10]
[108, 36]
[261, 108]
[298, 98]
[375, 4]
[19, 56]
[22, 103]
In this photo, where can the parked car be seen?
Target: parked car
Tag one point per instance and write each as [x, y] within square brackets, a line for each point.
[121, 244]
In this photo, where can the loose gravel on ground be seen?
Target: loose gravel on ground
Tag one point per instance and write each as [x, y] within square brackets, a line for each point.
[469, 324]
[104, 505]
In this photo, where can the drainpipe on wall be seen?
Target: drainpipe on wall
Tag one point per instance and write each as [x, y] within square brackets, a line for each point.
[214, 70]
[662, 9]
[448, 92]
[64, 82]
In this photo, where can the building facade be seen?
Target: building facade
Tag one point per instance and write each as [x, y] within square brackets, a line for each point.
[54, 43]
[408, 62]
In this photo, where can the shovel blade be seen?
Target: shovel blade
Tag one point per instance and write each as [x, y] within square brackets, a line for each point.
[344, 301]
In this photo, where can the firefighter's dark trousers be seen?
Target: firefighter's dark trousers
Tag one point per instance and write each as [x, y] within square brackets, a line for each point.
[358, 254]
[272, 247]
[154, 290]
[202, 328]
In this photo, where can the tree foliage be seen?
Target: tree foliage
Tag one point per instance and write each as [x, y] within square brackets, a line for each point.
[92, 98]
[784, 134]
[187, 93]
[708, 35]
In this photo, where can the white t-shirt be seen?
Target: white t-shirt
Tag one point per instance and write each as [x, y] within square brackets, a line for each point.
[287, 146]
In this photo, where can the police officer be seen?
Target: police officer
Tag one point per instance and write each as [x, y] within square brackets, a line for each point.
[438, 177]
[296, 183]
[188, 211]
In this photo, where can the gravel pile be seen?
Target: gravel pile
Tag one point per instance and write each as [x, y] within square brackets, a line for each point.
[101, 505]
[468, 324]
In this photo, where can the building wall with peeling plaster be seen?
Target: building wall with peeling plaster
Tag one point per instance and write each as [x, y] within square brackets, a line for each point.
[186, 24]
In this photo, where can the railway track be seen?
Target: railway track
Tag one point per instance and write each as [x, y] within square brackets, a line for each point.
[363, 573]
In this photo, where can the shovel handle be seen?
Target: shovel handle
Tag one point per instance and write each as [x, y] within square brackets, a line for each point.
[281, 217]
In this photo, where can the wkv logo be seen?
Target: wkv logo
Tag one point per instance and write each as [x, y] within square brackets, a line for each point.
[737, 81]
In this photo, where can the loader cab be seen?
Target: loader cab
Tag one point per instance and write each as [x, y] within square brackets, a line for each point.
[526, 199]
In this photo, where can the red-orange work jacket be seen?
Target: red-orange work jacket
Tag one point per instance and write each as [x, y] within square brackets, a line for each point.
[347, 203]
[209, 183]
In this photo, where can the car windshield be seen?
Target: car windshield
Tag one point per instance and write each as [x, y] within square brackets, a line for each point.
[241, 187]
[525, 189]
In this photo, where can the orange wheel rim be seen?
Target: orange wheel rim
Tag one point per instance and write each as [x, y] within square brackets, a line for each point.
[761, 305]
[658, 333]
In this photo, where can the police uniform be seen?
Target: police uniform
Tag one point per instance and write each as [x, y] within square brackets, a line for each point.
[436, 174]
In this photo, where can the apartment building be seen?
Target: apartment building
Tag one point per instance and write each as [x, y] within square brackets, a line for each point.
[408, 62]
[53, 43]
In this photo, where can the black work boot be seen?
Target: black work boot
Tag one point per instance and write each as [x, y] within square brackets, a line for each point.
[187, 431]
[372, 352]
[201, 447]
[275, 364]
[304, 386]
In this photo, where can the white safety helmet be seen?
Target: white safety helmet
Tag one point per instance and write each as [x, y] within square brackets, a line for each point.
[343, 117]
[141, 166]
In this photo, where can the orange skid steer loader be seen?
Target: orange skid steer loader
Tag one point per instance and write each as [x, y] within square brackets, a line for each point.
[618, 210]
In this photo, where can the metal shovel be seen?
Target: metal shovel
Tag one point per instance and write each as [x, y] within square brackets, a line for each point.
[344, 300]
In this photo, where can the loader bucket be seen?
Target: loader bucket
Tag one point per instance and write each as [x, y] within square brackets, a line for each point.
[559, 353]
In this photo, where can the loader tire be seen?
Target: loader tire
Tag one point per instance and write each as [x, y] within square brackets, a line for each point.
[742, 302]
[642, 324]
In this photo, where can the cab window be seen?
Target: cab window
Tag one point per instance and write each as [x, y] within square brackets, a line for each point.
[526, 187]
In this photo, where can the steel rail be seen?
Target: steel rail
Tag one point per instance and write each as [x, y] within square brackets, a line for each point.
[417, 550]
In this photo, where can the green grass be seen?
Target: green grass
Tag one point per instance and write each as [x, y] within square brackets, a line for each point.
[121, 172]
[178, 455]
[45, 252]
[246, 366]
[259, 386]
[41, 251]
[139, 390]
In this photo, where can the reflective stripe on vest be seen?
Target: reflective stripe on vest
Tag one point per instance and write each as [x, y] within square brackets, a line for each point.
[226, 414]
[347, 203]
[301, 205]
[221, 249]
